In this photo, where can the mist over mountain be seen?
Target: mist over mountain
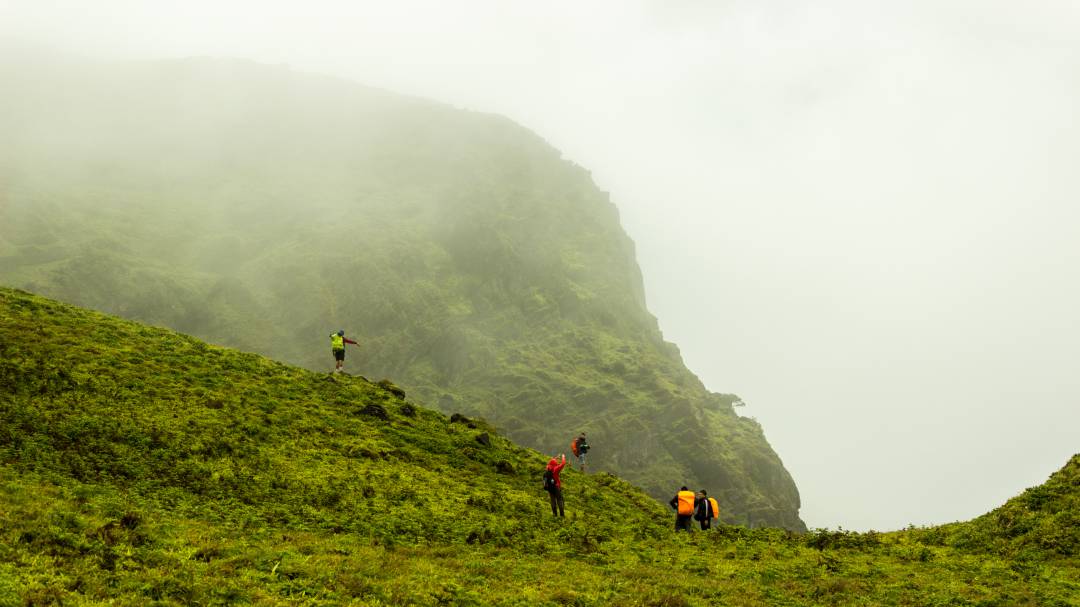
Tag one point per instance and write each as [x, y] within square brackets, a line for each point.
[262, 208]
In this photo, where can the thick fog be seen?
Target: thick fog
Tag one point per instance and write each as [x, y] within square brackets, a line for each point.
[862, 217]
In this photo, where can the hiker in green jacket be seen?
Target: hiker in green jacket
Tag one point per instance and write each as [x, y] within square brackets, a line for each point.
[337, 346]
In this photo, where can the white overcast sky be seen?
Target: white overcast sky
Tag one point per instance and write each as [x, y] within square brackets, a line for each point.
[860, 216]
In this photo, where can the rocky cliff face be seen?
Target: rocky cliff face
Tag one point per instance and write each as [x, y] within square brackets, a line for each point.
[260, 208]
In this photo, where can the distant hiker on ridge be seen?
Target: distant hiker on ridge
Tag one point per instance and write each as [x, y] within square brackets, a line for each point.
[683, 503]
[554, 486]
[337, 346]
[580, 447]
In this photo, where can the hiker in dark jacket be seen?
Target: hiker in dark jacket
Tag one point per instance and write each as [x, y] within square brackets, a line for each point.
[555, 467]
[683, 503]
[703, 512]
[580, 447]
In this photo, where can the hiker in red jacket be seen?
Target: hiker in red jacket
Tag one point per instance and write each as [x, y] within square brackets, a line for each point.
[555, 467]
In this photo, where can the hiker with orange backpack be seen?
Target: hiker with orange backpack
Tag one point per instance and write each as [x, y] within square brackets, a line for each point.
[579, 446]
[704, 510]
[683, 503]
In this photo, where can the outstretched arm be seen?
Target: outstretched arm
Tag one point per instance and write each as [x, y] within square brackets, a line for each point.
[349, 341]
[562, 464]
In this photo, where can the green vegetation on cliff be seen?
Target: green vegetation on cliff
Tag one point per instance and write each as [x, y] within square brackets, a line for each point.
[261, 209]
[143, 467]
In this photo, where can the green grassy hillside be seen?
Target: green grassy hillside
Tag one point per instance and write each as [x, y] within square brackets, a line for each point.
[261, 209]
[1041, 523]
[143, 467]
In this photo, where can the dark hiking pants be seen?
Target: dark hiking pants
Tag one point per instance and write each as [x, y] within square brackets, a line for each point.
[683, 522]
[557, 502]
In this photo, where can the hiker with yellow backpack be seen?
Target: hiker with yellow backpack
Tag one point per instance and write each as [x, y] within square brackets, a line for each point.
[337, 347]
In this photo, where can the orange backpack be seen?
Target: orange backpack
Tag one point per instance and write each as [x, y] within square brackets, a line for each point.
[715, 507]
[686, 503]
[573, 447]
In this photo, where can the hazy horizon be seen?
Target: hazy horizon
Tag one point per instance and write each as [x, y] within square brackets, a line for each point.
[859, 218]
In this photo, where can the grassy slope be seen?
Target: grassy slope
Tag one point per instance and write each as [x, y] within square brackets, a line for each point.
[139, 466]
[261, 208]
[1042, 523]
